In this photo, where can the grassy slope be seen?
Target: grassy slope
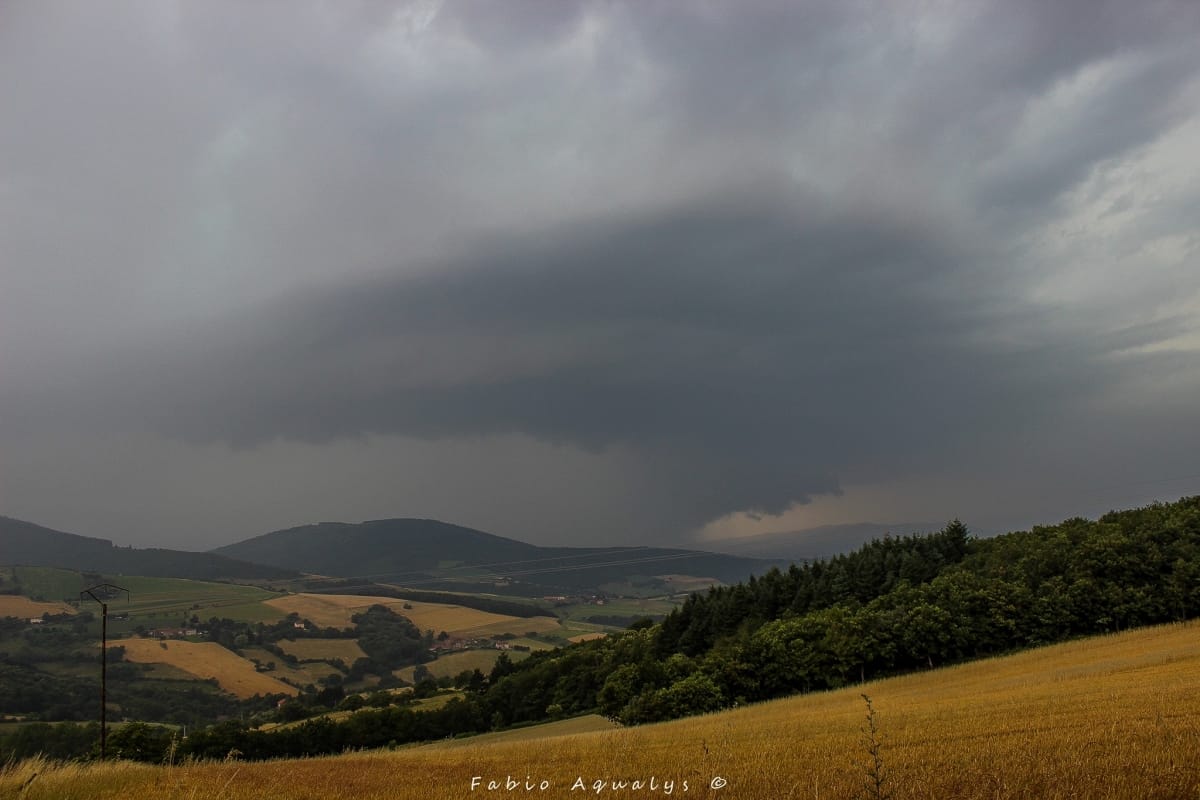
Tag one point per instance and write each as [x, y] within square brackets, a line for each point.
[453, 663]
[623, 607]
[589, 723]
[335, 610]
[49, 583]
[409, 551]
[315, 649]
[33, 545]
[1113, 717]
[24, 608]
[153, 602]
[172, 597]
[205, 660]
[300, 675]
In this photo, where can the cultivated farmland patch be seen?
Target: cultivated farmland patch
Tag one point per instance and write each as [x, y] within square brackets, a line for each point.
[205, 660]
[335, 610]
[326, 610]
[452, 664]
[1114, 717]
[177, 598]
[458, 620]
[299, 675]
[321, 649]
[1110, 717]
[24, 608]
[589, 723]
[518, 625]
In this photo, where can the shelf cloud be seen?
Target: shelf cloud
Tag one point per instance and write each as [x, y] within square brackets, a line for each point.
[597, 273]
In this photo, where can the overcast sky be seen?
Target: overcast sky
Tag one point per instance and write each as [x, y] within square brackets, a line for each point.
[595, 273]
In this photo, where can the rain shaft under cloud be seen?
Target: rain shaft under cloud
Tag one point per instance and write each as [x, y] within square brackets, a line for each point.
[604, 275]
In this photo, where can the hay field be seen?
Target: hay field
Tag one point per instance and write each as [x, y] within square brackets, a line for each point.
[12, 605]
[318, 649]
[205, 660]
[168, 600]
[532, 644]
[335, 611]
[325, 610]
[453, 663]
[437, 701]
[457, 620]
[300, 675]
[586, 637]
[518, 625]
[1117, 717]
[588, 723]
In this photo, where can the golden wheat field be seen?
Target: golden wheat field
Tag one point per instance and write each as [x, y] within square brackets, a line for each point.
[589, 723]
[451, 664]
[335, 610]
[12, 605]
[314, 649]
[304, 673]
[1112, 717]
[235, 674]
[457, 620]
[516, 625]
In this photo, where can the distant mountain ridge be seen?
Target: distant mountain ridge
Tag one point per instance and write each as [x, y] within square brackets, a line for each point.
[376, 547]
[427, 552]
[818, 542]
[421, 553]
[28, 544]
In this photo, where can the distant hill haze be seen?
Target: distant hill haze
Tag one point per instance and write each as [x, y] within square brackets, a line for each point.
[26, 544]
[420, 553]
[425, 552]
[819, 542]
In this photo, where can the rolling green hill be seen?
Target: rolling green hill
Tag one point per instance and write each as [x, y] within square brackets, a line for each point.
[32, 545]
[431, 554]
[1113, 716]
[393, 547]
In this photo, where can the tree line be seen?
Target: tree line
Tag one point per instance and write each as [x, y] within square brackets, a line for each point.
[893, 606]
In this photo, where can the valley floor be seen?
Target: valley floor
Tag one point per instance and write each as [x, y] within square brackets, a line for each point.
[1110, 717]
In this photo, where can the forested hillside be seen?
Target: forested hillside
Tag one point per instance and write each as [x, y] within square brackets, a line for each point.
[903, 604]
[32, 545]
[430, 554]
[895, 605]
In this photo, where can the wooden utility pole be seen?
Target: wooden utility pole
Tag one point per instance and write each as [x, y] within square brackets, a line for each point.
[108, 588]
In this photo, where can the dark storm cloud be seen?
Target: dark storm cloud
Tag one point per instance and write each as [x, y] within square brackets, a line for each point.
[507, 27]
[1133, 107]
[742, 250]
[750, 349]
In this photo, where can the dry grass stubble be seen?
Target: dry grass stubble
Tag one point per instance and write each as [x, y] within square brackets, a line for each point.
[1112, 717]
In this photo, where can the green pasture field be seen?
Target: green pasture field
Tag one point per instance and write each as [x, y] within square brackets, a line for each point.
[453, 663]
[256, 611]
[45, 583]
[168, 602]
[347, 650]
[83, 667]
[11, 726]
[572, 627]
[532, 644]
[166, 672]
[623, 607]
[300, 675]
[437, 701]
